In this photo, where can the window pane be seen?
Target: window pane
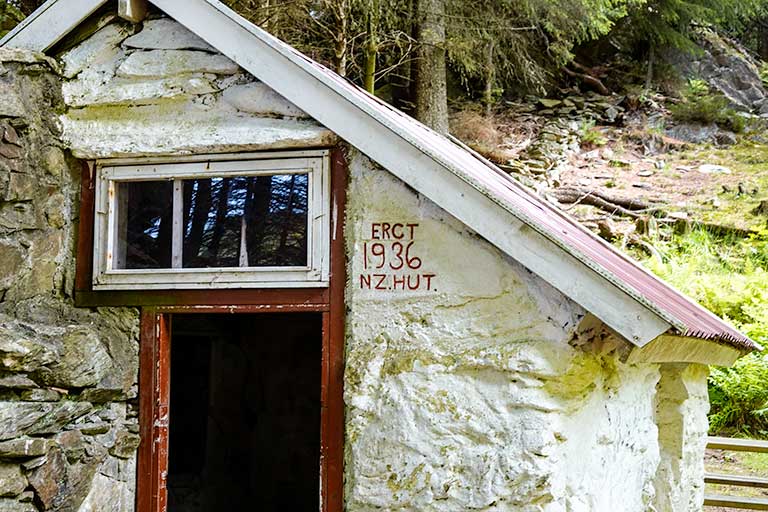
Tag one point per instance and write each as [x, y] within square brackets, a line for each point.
[246, 221]
[144, 219]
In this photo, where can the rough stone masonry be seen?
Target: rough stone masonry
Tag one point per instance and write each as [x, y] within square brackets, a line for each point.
[68, 420]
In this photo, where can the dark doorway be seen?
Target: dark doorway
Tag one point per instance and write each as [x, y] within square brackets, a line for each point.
[245, 412]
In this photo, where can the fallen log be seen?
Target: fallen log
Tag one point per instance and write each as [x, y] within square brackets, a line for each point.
[613, 205]
[628, 203]
[590, 80]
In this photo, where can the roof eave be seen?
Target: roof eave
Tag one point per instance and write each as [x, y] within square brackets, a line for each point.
[355, 120]
[50, 23]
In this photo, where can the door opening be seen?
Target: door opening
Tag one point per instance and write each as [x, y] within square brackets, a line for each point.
[244, 425]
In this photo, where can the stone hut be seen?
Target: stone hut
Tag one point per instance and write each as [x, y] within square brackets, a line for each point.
[229, 279]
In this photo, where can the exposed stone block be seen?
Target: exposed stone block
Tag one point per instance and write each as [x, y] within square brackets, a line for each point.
[53, 161]
[18, 215]
[10, 135]
[62, 486]
[12, 481]
[16, 380]
[166, 34]
[96, 428]
[62, 414]
[167, 63]
[16, 418]
[12, 258]
[83, 360]
[10, 151]
[12, 505]
[22, 351]
[23, 447]
[108, 495]
[41, 395]
[259, 98]
[50, 479]
[126, 445]
[10, 102]
[73, 444]
[116, 92]
[22, 187]
[100, 47]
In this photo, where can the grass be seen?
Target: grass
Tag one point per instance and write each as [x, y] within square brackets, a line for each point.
[748, 162]
[728, 276]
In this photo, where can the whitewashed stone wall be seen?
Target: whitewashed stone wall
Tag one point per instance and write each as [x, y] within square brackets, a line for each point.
[681, 409]
[157, 89]
[478, 394]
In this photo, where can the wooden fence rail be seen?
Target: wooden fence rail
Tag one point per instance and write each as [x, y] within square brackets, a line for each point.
[747, 503]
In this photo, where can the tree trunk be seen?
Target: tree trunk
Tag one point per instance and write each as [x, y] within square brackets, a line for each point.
[490, 78]
[762, 38]
[431, 87]
[403, 92]
[29, 6]
[341, 39]
[371, 48]
[197, 217]
[649, 72]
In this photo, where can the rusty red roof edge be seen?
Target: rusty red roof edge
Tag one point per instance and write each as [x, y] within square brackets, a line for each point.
[686, 316]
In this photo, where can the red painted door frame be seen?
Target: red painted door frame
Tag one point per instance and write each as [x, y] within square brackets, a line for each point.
[154, 361]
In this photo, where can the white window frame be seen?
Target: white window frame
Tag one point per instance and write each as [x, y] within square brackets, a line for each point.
[111, 172]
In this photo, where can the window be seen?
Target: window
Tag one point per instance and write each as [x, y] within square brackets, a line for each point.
[225, 221]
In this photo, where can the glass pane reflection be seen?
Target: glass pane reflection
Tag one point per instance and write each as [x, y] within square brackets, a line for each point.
[246, 221]
[144, 225]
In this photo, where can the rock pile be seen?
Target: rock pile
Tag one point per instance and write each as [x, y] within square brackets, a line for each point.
[726, 67]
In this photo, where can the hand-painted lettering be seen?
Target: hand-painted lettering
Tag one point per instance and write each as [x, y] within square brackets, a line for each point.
[393, 249]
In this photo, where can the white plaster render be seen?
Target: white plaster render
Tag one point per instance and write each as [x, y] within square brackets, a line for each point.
[180, 102]
[164, 63]
[146, 131]
[681, 410]
[258, 98]
[166, 34]
[101, 47]
[469, 397]
[126, 92]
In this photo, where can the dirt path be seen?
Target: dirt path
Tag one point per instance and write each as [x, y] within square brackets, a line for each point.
[754, 464]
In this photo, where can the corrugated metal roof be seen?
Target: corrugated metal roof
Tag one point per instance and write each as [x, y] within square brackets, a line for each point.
[684, 315]
[688, 317]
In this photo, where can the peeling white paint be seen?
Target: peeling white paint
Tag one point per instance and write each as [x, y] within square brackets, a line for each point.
[166, 34]
[100, 47]
[257, 97]
[164, 63]
[128, 103]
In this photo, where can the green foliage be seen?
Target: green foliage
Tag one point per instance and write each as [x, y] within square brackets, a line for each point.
[10, 16]
[699, 105]
[520, 44]
[590, 135]
[739, 397]
[764, 73]
[730, 278]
